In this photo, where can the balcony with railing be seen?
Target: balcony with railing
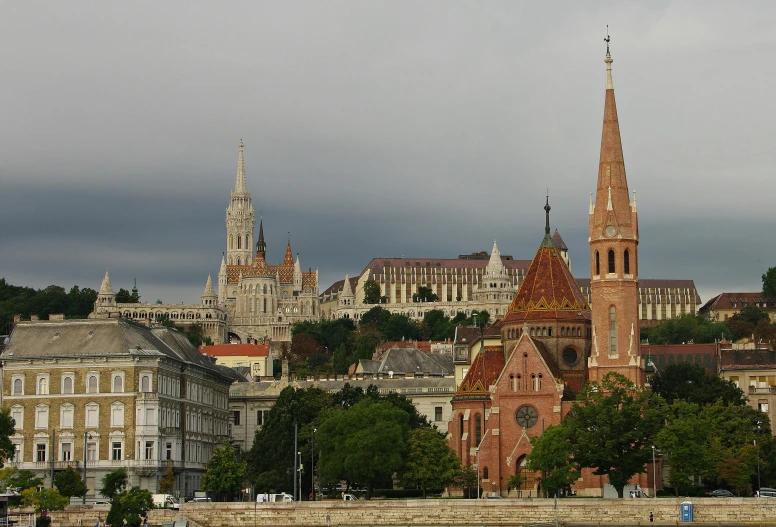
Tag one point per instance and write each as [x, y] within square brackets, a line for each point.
[61, 465]
[762, 390]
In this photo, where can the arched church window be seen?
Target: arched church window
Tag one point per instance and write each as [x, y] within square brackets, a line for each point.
[597, 263]
[549, 332]
[611, 261]
[626, 262]
[484, 472]
[517, 382]
[239, 241]
[612, 331]
[247, 245]
[231, 242]
[460, 425]
[238, 262]
[477, 429]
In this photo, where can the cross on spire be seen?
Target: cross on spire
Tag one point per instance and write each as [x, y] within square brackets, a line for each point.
[607, 39]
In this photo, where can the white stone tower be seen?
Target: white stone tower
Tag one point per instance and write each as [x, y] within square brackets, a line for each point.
[209, 297]
[240, 219]
[106, 297]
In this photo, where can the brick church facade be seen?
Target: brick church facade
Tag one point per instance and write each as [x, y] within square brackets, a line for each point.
[552, 341]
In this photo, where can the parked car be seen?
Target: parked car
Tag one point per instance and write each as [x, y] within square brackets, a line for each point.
[720, 493]
[349, 497]
[765, 492]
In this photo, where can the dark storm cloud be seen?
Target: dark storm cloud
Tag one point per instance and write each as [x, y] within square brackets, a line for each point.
[377, 129]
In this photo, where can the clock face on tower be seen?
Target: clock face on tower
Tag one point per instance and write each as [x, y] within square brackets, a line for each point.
[526, 416]
[610, 230]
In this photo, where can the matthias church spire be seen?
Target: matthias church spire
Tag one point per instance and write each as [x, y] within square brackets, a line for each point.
[240, 218]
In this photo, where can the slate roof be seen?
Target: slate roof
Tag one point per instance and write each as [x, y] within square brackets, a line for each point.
[100, 338]
[398, 384]
[235, 350]
[402, 361]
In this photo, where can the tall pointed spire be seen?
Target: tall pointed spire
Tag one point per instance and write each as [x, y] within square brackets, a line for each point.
[547, 242]
[239, 184]
[261, 246]
[209, 287]
[289, 257]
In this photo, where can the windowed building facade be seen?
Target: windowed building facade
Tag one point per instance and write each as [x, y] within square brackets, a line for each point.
[111, 393]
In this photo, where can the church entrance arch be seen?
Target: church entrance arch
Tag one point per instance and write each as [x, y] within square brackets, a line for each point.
[527, 478]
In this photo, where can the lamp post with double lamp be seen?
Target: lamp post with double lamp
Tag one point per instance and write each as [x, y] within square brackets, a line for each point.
[300, 475]
[87, 436]
[757, 452]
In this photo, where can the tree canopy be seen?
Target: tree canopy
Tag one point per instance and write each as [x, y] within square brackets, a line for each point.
[612, 427]
[372, 293]
[26, 301]
[224, 473]
[691, 383]
[684, 329]
[130, 507]
[69, 483]
[114, 482]
[430, 463]
[769, 283]
[551, 454]
[364, 443]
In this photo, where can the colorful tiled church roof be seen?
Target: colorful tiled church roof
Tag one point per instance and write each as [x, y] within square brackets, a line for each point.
[484, 371]
[549, 291]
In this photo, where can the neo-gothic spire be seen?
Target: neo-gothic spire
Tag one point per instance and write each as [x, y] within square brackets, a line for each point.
[239, 184]
[209, 288]
[261, 246]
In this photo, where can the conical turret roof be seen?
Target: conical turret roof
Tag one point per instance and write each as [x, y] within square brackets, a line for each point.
[209, 288]
[106, 288]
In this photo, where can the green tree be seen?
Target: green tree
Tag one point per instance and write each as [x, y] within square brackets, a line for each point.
[436, 326]
[130, 507]
[167, 481]
[424, 294]
[69, 483]
[430, 463]
[114, 482]
[685, 328]
[124, 297]
[363, 444]
[399, 327]
[44, 500]
[685, 439]
[24, 479]
[551, 453]
[272, 453]
[376, 317]
[691, 383]
[612, 427]
[224, 473]
[372, 292]
[7, 429]
[513, 482]
[341, 360]
[769, 283]
[467, 479]
[481, 319]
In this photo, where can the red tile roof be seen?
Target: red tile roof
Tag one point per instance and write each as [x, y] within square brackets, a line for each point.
[235, 350]
[484, 371]
[548, 291]
[726, 301]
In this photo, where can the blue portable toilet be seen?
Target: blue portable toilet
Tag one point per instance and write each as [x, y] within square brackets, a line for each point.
[687, 511]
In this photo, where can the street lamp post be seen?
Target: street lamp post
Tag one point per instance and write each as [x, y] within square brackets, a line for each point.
[654, 474]
[87, 436]
[300, 475]
[477, 459]
[312, 466]
[757, 451]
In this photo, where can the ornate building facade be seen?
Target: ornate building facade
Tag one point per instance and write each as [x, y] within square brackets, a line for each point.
[110, 393]
[552, 340]
[262, 300]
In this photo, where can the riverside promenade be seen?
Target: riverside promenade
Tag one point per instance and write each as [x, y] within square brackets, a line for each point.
[450, 512]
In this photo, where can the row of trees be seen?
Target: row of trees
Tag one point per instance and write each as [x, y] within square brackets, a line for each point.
[750, 322]
[331, 346]
[26, 301]
[360, 437]
[701, 423]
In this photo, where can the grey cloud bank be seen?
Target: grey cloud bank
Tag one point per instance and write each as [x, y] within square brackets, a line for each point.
[378, 129]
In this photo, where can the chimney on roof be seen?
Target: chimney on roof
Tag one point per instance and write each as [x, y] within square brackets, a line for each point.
[34, 318]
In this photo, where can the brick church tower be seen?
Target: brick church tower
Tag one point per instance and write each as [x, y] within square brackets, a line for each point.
[614, 240]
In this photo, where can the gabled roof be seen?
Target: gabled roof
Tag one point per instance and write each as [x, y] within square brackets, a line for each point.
[726, 301]
[559, 243]
[484, 371]
[403, 361]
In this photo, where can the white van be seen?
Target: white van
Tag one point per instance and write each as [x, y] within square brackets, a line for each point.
[349, 497]
[165, 501]
[274, 498]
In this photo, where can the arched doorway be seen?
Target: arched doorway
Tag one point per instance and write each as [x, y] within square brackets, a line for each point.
[528, 479]
[234, 338]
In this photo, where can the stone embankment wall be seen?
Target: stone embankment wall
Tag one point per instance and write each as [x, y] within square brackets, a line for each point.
[447, 512]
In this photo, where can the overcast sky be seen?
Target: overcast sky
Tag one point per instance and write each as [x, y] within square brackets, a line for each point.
[416, 129]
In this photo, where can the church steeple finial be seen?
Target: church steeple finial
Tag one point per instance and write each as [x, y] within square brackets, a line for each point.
[608, 60]
[239, 184]
[548, 241]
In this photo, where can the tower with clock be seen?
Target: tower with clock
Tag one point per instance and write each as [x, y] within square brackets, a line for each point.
[614, 268]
